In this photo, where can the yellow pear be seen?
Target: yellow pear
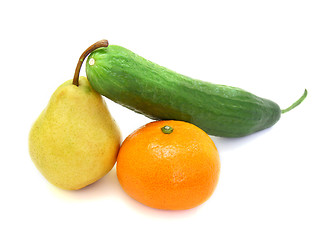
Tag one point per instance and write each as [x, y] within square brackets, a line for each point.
[75, 140]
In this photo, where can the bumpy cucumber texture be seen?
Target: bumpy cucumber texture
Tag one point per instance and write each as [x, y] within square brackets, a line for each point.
[159, 93]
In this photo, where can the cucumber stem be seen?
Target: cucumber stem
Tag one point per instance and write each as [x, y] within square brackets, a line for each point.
[296, 103]
[99, 44]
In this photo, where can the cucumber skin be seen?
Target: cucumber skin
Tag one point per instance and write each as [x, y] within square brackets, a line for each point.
[160, 94]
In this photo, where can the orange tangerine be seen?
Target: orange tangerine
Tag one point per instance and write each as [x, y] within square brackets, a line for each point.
[170, 165]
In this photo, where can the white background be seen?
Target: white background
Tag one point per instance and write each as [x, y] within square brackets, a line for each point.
[269, 186]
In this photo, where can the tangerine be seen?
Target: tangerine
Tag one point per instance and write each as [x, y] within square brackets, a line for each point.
[170, 165]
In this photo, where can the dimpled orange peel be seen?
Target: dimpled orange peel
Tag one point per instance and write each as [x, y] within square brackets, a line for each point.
[171, 165]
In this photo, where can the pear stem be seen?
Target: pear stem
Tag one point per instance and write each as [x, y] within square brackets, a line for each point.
[99, 44]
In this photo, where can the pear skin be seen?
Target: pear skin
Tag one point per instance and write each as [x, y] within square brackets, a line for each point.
[75, 141]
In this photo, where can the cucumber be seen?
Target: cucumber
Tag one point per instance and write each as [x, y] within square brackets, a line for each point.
[161, 94]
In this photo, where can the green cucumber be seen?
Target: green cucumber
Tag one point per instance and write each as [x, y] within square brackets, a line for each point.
[161, 94]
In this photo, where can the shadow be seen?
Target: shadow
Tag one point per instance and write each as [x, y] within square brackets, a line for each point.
[140, 208]
[102, 188]
[110, 186]
[230, 144]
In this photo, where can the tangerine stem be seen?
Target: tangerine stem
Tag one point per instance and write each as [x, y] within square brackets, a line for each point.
[99, 44]
[167, 129]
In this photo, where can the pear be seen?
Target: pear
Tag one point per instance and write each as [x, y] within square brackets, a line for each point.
[75, 141]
